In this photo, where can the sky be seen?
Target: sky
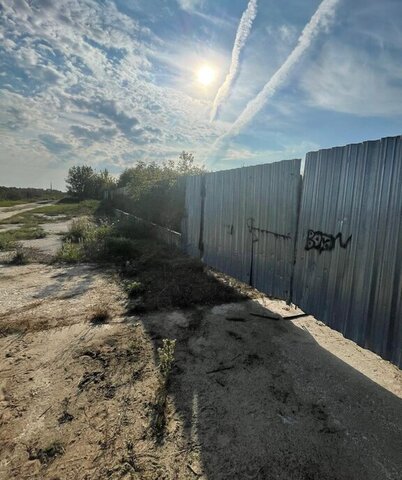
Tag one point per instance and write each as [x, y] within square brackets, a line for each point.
[235, 82]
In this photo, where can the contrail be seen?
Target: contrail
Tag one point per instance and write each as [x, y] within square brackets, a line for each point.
[243, 31]
[320, 19]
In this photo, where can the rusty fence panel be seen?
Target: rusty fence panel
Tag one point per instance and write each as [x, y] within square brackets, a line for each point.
[349, 252]
[243, 222]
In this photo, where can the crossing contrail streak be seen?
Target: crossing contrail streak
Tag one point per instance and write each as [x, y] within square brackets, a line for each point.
[243, 31]
[320, 19]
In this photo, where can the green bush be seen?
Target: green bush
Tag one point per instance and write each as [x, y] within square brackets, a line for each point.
[129, 228]
[121, 248]
[6, 243]
[79, 229]
[134, 289]
[70, 252]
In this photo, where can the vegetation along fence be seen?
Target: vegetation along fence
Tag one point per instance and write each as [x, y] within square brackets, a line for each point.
[330, 241]
[166, 235]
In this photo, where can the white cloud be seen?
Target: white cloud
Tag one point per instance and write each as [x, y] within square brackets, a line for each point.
[88, 91]
[190, 5]
[243, 31]
[351, 80]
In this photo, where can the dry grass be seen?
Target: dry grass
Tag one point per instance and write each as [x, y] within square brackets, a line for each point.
[100, 316]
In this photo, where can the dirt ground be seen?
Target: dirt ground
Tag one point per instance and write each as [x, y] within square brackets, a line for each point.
[249, 397]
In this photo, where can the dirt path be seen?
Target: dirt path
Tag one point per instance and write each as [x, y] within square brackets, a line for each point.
[249, 397]
[7, 212]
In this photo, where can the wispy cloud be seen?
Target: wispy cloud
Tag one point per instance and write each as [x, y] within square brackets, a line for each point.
[189, 5]
[243, 31]
[320, 19]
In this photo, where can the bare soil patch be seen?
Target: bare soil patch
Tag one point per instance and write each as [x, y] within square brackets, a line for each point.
[248, 397]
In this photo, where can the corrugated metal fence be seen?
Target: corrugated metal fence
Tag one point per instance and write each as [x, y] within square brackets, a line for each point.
[349, 251]
[243, 222]
[337, 255]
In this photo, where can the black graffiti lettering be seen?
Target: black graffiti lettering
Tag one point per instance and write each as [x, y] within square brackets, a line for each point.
[324, 242]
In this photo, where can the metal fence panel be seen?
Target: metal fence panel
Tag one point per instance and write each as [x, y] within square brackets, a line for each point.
[192, 217]
[349, 250]
[250, 222]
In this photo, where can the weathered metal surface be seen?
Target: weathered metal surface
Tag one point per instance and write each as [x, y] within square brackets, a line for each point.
[249, 223]
[192, 217]
[349, 250]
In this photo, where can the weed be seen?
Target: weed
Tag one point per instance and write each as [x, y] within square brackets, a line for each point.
[100, 317]
[134, 288]
[166, 357]
[79, 229]
[121, 248]
[6, 243]
[70, 253]
[129, 228]
[20, 257]
[48, 454]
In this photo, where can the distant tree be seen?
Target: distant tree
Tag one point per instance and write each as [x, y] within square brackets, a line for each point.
[155, 190]
[102, 181]
[84, 182]
[80, 181]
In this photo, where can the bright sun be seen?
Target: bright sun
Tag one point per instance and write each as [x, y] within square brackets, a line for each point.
[206, 75]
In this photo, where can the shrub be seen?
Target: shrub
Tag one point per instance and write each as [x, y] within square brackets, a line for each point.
[121, 248]
[70, 252]
[134, 289]
[129, 228]
[100, 316]
[5, 242]
[79, 229]
[166, 357]
[20, 257]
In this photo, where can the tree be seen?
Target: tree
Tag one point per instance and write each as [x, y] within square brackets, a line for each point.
[80, 181]
[155, 190]
[102, 181]
[84, 182]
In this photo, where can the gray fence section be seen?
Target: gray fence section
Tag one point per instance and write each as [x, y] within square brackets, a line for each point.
[166, 235]
[192, 219]
[244, 222]
[349, 251]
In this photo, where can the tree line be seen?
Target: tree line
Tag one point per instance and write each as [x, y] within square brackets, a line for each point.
[152, 191]
[28, 194]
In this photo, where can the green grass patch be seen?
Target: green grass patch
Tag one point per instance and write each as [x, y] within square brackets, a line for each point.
[8, 239]
[69, 210]
[12, 203]
[70, 253]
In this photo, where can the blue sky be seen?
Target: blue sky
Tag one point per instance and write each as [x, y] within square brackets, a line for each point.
[108, 83]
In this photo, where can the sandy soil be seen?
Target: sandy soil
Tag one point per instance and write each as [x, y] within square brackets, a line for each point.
[249, 397]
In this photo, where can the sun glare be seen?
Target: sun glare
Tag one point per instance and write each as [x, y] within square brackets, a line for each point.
[206, 75]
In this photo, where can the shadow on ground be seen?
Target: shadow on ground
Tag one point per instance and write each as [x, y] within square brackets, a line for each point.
[261, 399]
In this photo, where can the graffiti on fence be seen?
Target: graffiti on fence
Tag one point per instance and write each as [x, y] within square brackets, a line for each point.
[323, 241]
